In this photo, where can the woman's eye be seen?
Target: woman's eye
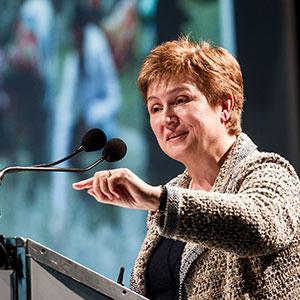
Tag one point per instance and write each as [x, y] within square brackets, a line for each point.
[155, 109]
[181, 100]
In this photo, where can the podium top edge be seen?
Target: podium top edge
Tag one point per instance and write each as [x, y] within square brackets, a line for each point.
[78, 272]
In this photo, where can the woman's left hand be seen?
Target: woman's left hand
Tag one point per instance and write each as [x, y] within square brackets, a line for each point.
[121, 187]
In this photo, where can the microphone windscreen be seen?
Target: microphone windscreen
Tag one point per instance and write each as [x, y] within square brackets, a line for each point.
[95, 139]
[114, 150]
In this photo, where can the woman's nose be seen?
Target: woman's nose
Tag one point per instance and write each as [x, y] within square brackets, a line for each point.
[169, 117]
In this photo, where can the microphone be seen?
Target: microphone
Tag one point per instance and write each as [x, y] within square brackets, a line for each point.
[114, 150]
[93, 140]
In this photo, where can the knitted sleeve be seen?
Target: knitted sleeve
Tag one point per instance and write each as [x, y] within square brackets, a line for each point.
[260, 215]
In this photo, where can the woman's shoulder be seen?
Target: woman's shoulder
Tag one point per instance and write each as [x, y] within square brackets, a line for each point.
[268, 164]
[263, 158]
[260, 159]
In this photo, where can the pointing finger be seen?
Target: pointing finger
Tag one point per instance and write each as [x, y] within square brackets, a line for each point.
[84, 184]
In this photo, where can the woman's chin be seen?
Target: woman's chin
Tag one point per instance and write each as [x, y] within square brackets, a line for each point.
[179, 152]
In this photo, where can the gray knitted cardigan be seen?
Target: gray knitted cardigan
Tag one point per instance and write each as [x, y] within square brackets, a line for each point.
[243, 237]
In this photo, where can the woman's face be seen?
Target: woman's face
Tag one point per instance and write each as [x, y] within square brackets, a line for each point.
[184, 123]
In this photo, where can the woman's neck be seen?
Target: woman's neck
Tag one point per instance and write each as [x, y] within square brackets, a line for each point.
[205, 169]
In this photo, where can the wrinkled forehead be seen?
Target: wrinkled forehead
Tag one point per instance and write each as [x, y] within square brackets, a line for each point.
[168, 82]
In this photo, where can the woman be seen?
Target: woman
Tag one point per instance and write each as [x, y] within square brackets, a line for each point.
[228, 227]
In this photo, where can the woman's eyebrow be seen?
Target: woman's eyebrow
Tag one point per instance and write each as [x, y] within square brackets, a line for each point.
[172, 91]
[151, 98]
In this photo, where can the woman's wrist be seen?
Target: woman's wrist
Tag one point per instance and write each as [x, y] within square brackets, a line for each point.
[162, 198]
[158, 204]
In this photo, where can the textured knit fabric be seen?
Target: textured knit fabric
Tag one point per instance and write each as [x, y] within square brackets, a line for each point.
[242, 238]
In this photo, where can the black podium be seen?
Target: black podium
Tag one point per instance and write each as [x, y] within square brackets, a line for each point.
[32, 271]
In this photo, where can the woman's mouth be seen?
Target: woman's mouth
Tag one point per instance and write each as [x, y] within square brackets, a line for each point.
[176, 136]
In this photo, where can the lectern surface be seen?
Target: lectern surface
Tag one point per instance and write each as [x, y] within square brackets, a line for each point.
[40, 273]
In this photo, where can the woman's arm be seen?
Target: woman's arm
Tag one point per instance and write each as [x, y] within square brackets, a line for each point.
[259, 217]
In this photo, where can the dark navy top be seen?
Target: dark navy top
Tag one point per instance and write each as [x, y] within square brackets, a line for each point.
[162, 274]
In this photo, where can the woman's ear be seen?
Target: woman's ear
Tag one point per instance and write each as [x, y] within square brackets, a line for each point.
[227, 107]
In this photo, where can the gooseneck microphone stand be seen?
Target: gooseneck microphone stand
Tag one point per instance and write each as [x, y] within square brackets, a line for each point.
[47, 169]
[114, 150]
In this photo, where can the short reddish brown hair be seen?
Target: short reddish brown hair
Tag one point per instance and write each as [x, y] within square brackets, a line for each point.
[215, 71]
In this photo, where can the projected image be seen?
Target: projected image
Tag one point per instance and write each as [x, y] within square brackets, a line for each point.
[66, 67]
